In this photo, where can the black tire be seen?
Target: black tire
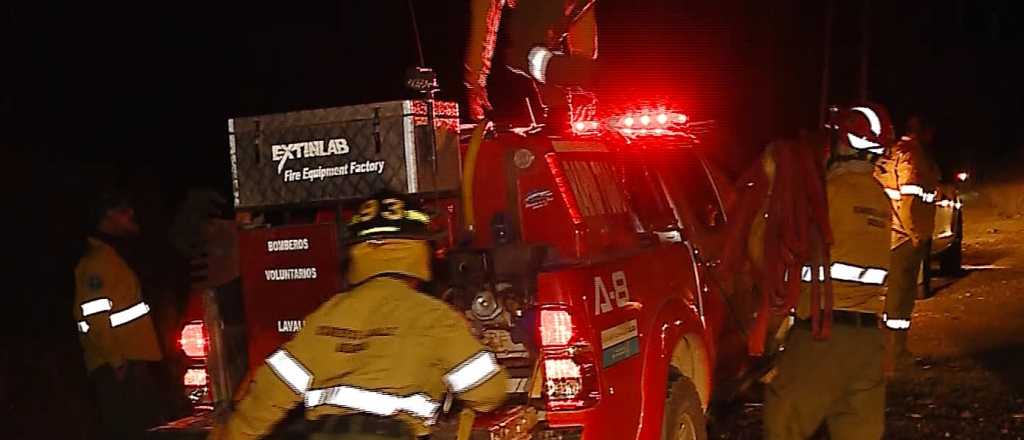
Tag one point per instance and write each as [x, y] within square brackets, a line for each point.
[684, 416]
[951, 260]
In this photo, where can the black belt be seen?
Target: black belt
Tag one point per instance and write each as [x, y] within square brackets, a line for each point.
[856, 319]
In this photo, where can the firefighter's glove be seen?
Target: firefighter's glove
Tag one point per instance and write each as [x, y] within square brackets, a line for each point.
[479, 104]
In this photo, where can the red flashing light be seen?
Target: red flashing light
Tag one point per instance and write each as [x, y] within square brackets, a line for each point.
[628, 121]
[662, 118]
[196, 377]
[681, 118]
[645, 120]
[555, 327]
[962, 176]
[563, 188]
[580, 126]
[193, 340]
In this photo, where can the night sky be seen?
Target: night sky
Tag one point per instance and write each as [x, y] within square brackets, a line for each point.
[143, 91]
[151, 88]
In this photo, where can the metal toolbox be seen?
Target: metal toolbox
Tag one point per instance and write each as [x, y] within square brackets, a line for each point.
[316, 156]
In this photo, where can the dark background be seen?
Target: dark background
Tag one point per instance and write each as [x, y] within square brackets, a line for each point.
[142, 92]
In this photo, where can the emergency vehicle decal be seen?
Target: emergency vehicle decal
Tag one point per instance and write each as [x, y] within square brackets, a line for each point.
[538, 199]
[603, 297]
[290, 325]
[298, 273]
[619, 343]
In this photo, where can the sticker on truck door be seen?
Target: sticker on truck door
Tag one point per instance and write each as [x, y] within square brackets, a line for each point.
[603, 296]
[619, 343]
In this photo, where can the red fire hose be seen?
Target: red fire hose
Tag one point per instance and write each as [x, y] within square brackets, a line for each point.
[781, 227]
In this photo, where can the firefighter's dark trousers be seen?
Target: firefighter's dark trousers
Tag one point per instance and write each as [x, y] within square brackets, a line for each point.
[837, 381]
[359, 427]
[129, 405]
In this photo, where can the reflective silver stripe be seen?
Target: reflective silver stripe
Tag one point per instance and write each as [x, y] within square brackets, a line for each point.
[913, 190]
[379, 229]
[916, 190]
[291, 372]
[805, 274]
[473, 372]
[859, 143]
[128, 315]
[873, 119]
[857, 274]
[895, 324]
[893, 194]
[373, 402]
[95, 306]
[83, 327]
[538, 60]
[847, 272]
[949, 204]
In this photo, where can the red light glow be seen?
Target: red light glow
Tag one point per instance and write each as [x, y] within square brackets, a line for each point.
[628, 121]
[645, 120]
[681, 119]
[563, 187]
[193, 340]
[662, 118]
[580, 126]
[555, 327]
[962, 176]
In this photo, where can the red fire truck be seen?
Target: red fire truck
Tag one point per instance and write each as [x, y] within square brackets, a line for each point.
[588, 261]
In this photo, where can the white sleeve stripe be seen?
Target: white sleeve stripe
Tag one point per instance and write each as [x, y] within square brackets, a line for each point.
[893, 194]
[473, 372]
[291, 372]
[95, 306]
[128, 315]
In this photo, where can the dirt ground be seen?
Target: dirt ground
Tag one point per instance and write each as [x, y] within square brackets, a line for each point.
[966, 380]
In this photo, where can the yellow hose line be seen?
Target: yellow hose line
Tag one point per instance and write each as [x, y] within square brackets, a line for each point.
[468, 173]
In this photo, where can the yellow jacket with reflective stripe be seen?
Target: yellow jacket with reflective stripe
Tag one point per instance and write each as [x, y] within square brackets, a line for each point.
[102, 276]
[913, 216]
[383, 337]
[859, 215]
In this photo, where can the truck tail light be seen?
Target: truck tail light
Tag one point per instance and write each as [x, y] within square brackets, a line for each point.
[555, 327]
[196, 377]
[570, 367]
[193, 340]
[196, 345]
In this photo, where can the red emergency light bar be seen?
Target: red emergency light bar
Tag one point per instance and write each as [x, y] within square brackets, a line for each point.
[639, 123]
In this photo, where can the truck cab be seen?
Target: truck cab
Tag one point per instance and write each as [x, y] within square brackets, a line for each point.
[588, 261]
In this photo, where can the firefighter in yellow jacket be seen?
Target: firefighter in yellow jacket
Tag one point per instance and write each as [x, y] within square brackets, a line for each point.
[840, 381]
[376, 361]
[911, 180]
[117, 334]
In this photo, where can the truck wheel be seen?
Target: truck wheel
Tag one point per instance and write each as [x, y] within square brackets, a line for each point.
[684, 417]
[950, 260]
